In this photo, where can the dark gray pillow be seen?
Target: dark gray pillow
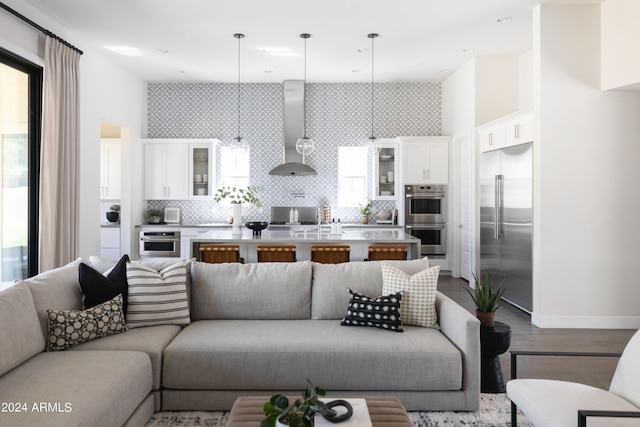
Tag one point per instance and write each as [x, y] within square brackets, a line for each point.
[97, 288]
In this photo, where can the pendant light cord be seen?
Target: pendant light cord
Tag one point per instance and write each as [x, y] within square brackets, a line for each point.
[372, 36]
[238, 36]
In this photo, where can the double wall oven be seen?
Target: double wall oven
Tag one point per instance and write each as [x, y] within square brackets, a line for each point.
[425, 217]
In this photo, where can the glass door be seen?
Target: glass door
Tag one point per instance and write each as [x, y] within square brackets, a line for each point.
[20, 115]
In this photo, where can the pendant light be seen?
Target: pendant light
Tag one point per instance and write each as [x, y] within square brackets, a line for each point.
[305, 145]
[239, 143]
[374, 143]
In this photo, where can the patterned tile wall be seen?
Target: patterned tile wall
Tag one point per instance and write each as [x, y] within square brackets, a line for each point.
[337, 114]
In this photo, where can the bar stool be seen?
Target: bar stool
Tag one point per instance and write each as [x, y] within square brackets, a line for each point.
[276, 253]
[387, 252]
[216, 254]
[330, 254]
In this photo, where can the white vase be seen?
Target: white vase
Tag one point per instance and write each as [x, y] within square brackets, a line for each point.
[237, 219]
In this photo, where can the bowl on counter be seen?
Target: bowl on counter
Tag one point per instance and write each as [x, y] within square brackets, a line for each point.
[256, 226]
[113, 216]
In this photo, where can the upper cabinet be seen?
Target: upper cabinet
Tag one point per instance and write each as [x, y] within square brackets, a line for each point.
[178, 169]
[514, 129]
[201, 176]
[110, 168]
[425, 159]
[385, 171]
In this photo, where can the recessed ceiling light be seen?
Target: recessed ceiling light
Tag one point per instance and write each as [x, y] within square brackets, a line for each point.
[181, 71]
[468, 50]
[444, 71]
[277, 51]
[268, 71]
[363, 50]
[163, 51]
[504, 19]
[356, 71]
[125, 50]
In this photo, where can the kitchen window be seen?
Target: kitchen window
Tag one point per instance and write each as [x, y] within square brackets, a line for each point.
[352, 176]
[234, 167]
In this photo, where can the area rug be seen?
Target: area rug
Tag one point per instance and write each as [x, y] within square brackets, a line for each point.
[495, 411]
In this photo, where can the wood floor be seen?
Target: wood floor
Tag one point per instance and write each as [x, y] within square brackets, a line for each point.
[593, 371]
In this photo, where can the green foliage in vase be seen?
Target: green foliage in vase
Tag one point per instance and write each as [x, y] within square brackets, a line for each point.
[298, 413]
[486, 295]
[238, 195]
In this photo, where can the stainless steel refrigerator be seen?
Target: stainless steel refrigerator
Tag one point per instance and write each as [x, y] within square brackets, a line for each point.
[506, 220]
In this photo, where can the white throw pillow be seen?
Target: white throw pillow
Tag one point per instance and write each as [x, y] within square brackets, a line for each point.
[418, 305]
[157, 297]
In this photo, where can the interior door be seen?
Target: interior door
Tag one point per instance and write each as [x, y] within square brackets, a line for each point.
[463, 143]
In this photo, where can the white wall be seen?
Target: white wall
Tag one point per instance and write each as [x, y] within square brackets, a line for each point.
[497, 82]
[107, 91]
[620, 53]
[586, 176]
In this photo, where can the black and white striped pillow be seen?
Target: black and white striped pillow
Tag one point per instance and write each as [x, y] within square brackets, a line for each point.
[157, 297]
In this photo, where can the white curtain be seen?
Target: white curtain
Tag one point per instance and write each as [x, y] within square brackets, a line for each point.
[59, 156]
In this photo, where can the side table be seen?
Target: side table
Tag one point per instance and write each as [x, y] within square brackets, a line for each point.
[493, 342]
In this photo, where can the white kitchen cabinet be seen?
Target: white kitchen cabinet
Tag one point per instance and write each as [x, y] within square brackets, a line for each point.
[110, 168]
[110, 242]
[166, 171]
[513, 129]
[425, 159]
[201, 171]
[385, 171]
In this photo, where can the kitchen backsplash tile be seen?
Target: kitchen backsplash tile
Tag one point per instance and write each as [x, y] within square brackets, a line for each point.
[338, 114]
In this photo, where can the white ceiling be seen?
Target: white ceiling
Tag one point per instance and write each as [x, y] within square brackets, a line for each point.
[420, 40]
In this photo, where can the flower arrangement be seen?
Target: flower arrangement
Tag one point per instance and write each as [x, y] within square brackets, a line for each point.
[238, 195]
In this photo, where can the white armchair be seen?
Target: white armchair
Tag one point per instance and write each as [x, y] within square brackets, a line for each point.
[550, 403]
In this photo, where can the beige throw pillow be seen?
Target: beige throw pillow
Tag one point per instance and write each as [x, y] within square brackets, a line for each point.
[418, 305]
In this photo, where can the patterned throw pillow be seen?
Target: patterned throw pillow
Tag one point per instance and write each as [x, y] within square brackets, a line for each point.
[157, 297]
[419, 297]
[382, 312]
[72, 327]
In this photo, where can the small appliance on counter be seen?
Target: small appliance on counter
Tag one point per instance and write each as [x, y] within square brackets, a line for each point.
[172, 215]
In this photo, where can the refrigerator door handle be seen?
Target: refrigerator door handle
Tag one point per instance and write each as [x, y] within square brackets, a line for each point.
[498, 207]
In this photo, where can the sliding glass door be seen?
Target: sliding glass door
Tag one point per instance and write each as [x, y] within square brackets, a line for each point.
[20, 125]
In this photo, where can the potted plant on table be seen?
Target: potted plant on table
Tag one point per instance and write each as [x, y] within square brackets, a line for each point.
[366, 210]
[154, 216]
[280, 412]
[487, 297]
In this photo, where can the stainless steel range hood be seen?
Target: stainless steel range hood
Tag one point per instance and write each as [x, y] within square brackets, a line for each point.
[293, 129]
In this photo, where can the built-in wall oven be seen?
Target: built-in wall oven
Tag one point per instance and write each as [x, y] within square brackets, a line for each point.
[425, 216]
[159, 244]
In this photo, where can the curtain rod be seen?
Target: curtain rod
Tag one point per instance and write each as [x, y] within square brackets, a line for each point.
[38, 27]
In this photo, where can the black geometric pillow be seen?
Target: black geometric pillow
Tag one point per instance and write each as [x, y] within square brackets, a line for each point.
[97, 289]
[72, 327]
[382, 312]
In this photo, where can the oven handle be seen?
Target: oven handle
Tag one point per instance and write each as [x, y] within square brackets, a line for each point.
[160, 239]
[430, 227]
[426, 196]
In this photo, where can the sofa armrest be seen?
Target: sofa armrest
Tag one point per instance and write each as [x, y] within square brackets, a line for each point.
[463, 330]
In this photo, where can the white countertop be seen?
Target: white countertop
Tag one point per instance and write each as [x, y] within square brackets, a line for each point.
[290, 236]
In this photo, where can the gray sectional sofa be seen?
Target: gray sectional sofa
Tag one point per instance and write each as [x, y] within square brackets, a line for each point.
[255, 329]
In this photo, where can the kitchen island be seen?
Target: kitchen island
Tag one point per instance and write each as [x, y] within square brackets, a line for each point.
[358, 240]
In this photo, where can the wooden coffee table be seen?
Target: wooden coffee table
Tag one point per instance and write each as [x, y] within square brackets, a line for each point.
[384, 411]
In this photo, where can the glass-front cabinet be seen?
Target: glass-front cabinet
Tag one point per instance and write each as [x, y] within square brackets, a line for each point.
[385, 171]
[201, 171]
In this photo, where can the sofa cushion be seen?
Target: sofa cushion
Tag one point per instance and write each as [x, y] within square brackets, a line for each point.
[329, 294]
[68, 328]
[151, 340]
[20, 332]
[419, 297]
[258, 355]
[97, 288]
[251, 291]
[80, 388]
[57, 289]
[380, 312]
[157, 297]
